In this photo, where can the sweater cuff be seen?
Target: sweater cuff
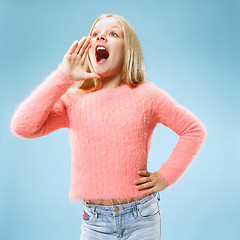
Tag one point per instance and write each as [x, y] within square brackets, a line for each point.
[168, 176]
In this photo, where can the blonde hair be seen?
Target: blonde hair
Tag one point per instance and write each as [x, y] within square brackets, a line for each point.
[133, 70]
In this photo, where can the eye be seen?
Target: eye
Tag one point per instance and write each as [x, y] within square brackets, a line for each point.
[113, 34]
[94, 34]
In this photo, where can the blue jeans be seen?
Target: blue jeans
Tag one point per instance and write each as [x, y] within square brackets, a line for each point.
[133, 221]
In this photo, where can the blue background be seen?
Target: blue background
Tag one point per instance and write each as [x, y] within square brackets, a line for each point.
[191, 49]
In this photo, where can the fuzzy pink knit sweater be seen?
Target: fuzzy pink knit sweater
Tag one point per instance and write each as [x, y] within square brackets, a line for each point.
[110, 133]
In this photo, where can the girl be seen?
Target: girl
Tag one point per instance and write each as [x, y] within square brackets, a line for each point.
[111, 117]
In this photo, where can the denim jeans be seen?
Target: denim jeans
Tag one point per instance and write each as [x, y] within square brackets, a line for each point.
[133, 221]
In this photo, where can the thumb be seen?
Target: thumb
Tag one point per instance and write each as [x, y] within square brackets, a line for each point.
[92, 75]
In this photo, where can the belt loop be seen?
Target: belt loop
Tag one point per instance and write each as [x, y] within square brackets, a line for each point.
[158, 196]
[136, 209]
[94, 211]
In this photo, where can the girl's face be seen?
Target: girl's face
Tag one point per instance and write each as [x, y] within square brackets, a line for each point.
[107, 50]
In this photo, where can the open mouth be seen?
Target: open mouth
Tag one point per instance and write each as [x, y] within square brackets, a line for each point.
[102, 54]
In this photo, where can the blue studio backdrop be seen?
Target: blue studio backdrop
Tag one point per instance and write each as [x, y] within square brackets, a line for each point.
[191, 49]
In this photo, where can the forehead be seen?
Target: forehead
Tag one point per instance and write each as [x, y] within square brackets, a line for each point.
[109, 22]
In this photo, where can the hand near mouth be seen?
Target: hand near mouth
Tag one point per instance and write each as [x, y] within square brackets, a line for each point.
[74, 59]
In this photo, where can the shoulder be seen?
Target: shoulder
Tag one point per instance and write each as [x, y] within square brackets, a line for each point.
[151, 90]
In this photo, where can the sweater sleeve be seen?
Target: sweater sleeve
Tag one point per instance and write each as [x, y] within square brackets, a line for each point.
[192, 134]
[44, 110]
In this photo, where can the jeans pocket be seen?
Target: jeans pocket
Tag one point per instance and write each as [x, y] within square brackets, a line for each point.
[88, 216]
[148, 209]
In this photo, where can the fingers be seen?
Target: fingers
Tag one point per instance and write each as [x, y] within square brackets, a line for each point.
[145, 185]
[142, 180]
[85, 46]
[93, 75]
[144, 173]
[80, 44]
[86, 50]
[80, 48]
[151, 190]
[153, 181]
[73, 47]
[76, 46]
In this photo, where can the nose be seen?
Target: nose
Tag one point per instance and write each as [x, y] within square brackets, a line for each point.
[102, 37]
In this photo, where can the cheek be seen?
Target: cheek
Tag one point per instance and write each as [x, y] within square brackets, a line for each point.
[91, 55]
[91, 52]
[120, 52]
[121, 56]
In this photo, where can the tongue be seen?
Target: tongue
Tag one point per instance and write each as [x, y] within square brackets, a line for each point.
[102, 60]
[102, 55]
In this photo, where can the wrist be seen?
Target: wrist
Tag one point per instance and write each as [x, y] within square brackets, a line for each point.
[66, 72]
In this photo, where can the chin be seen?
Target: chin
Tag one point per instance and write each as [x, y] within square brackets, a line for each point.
[103, 72]
[99, 71]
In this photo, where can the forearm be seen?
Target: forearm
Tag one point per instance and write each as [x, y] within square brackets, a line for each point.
[187, 148]
[192, 133]
[34, 110]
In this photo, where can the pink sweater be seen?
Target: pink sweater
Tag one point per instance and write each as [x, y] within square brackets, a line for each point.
[110, 133]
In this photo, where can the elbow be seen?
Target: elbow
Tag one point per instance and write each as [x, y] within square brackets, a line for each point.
[202, 131]
[199, 133]
[19, 130]
[196, 131]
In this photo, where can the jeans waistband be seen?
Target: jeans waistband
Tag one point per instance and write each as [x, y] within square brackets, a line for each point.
[122, 208]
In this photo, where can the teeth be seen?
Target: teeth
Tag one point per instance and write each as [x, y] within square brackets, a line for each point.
[101, 48]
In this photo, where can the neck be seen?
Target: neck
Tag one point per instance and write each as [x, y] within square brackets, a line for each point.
[112, 82]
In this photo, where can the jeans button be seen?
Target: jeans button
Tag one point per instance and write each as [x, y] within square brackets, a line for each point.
[116, 210]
